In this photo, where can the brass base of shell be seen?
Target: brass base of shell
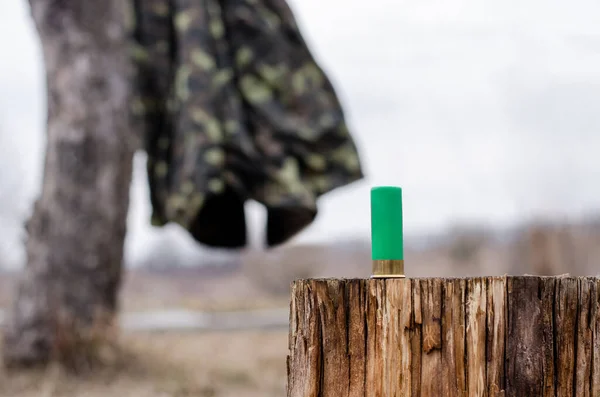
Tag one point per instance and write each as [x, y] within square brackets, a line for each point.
[388, 268]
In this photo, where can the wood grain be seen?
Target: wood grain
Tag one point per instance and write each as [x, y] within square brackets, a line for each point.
[495, 336]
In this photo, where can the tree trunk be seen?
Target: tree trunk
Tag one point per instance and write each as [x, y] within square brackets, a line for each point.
[67, 298]
[482, 337]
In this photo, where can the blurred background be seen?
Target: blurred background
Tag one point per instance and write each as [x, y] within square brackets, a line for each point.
[485, 112]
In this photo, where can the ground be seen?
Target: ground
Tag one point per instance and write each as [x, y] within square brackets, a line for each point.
[234, 364]
[253, 363]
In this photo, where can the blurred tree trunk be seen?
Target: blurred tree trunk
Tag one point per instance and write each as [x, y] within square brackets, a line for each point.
[66, 301]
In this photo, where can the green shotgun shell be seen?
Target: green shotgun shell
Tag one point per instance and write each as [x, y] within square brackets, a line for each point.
[387, 245]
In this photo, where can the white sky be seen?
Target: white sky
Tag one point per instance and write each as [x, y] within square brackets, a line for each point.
[480, 109]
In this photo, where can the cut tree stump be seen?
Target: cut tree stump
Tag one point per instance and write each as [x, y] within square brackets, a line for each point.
[494, 336]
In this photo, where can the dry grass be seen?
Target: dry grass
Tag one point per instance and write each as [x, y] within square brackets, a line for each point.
[150, 291]
[261, 279]
[240, 364]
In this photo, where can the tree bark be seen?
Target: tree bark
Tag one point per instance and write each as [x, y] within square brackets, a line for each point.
[490, 337]
[67, 298]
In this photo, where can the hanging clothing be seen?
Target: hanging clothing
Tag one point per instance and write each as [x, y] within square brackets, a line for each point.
[234, 107]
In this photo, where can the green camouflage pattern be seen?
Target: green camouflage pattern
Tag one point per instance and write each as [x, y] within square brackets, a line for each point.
[233, 106]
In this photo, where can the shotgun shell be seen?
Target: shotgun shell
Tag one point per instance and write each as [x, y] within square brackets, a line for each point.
[387, 245]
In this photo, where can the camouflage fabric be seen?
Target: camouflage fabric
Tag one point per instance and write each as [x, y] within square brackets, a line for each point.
[234, 107]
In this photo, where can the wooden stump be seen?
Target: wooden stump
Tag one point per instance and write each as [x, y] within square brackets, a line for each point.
[495, 336]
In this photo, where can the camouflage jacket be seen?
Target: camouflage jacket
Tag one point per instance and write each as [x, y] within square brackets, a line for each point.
[233, 107]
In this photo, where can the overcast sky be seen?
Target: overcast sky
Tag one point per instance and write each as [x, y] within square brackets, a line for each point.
[481, 110]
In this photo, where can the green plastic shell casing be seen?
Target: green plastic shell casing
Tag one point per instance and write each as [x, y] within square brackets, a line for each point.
[387, 239]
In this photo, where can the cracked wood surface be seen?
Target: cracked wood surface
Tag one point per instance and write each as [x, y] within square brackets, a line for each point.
[490, 337]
